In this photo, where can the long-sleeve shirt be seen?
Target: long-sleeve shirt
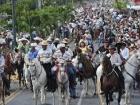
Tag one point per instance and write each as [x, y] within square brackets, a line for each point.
[116, 59]
[125, 53]
[32, 54]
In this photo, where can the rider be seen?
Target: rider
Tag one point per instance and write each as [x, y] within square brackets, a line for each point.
[23, 46]
[33, 52]
[45, 57]
[103, 48]
[116, 62]
[5, 80]
[124, 52]
[38, 40]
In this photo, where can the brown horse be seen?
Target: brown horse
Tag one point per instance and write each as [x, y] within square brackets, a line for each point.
[110, 81]
[87, 71]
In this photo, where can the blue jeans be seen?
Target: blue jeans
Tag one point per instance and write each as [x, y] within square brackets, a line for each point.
[72, 91]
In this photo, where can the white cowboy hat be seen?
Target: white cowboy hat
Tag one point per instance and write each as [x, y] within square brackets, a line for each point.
[44, 42]
[64, 41]
[38, 39]
[57, 39]
[62, 46]
[23, 39]
[33, 44]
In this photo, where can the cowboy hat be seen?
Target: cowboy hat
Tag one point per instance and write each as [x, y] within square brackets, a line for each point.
[62, 46]
[57, 39]
[33, 44]
[23, 39]
[64, 41]
[44, 42]
[38, 39]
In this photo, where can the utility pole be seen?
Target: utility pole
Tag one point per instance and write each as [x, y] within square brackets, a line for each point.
[14, 22]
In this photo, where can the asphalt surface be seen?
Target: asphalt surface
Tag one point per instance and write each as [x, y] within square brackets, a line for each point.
[24, 97]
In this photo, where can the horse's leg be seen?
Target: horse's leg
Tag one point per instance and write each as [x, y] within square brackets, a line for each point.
[94, 82]
[110, 96]
[101, 98]
[119, 97]
[19, 78]
[107, 98]
[129, 95]
[67, 94]
[59, 92]
[43, 96]
[87, 88]
[126, 92]
[9, 79]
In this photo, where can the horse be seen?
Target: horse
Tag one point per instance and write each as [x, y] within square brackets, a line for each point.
[86, 70]
[130, 69]
[110, 81]
[19, 66]
[9, 67]
[63, 84]
[38, 77]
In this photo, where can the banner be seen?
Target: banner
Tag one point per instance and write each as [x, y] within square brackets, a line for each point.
[136, 2]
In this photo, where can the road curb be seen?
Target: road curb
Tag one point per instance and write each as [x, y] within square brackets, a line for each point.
[11, 97]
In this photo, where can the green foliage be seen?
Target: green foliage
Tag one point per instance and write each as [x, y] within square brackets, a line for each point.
[28, 16]
[120, 4]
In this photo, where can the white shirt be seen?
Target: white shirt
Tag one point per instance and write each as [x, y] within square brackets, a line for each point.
[2, 63]
[45, 55]
[66, 56]
[52, 47]
[125, 53]
[116, 59]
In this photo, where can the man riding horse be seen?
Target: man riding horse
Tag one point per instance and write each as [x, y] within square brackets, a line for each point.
[116, 62]
[45, 57]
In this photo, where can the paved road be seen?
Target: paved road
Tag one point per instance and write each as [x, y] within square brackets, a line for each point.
[24, 97]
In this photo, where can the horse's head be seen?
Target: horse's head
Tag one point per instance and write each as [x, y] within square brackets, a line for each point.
[99, 58]
[33, 68]
[106, 63]
[62, 76]
[137, 57]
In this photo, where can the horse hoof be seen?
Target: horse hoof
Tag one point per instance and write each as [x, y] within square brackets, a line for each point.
[94, 94]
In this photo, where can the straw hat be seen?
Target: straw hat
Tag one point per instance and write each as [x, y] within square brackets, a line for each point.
[44, 42]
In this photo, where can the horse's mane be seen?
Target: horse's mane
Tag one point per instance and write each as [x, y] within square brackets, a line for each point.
[106, 63]
[37, 63]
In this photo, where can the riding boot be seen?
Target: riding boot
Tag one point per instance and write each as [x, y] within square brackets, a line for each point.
[121, 79]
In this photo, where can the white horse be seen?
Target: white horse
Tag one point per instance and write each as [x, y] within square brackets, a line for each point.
[38, 76]
[63, 84]
[131, 67]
